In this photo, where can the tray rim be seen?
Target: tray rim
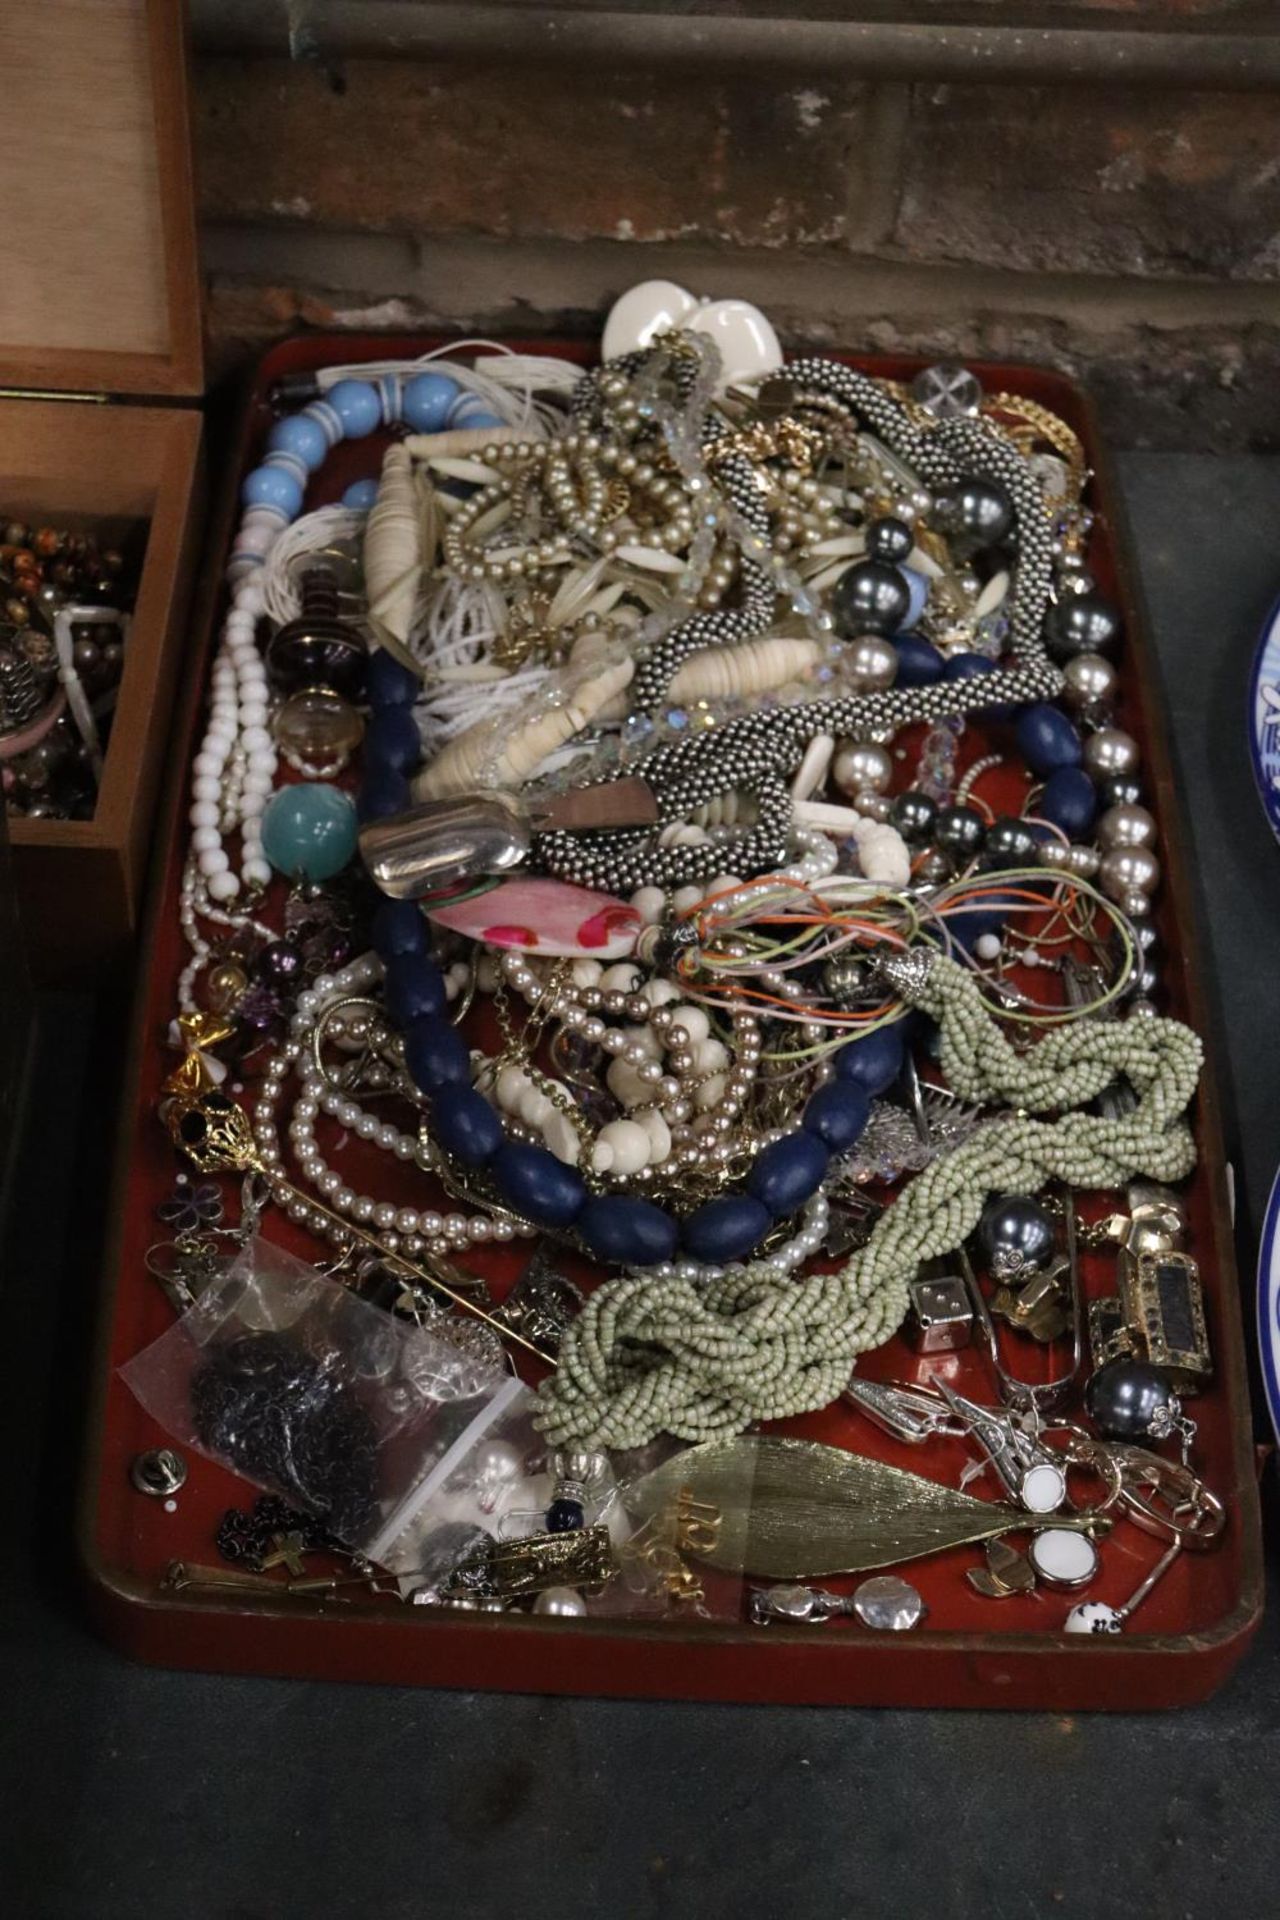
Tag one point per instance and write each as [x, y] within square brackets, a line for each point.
[143, 1622]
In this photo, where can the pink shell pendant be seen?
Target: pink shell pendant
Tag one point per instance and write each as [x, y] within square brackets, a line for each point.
[545, 916]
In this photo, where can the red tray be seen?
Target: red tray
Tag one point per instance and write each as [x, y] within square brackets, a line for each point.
[972, 1652]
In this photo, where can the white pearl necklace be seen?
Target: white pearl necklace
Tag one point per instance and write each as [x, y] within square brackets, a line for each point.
[406, 1230]
[235, 768]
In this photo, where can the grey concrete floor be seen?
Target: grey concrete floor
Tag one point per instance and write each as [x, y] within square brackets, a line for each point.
[132, 1794]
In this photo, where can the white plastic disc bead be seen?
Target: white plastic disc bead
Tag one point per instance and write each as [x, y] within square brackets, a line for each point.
[622, 978]
[686, 898]
[1044, 1488]
[1062, 1558]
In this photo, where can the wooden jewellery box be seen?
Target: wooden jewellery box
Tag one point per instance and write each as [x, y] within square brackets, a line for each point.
[100, 376]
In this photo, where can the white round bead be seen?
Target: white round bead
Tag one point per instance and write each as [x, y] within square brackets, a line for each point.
[650, 903]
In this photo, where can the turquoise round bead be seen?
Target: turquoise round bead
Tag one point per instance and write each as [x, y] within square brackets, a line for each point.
[309, 829]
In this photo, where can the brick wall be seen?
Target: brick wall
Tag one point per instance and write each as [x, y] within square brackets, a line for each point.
[1129, 233]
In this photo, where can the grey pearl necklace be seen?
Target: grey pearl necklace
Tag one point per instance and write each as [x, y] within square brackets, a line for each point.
[757, 752]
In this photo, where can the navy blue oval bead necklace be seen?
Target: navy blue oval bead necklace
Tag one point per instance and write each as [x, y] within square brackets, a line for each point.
[620, 1229]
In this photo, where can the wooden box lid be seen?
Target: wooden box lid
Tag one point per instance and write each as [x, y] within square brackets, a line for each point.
[100, 288]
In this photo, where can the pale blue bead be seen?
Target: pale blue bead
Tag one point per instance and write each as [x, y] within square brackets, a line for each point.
[326, 419]
[360, 495]
[390, 397]
[290, 463]
[918, 587]
[309, 829]
[301, 436]
[427, 400]
[272, 487]
[357, 405]
[472, 412]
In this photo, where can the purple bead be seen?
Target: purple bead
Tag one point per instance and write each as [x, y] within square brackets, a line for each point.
[725, 1229]
[279, 963]
[788, 1171]
[625, 1231]
[837, 1113]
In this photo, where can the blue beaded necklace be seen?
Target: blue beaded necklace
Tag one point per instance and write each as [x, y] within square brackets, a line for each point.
[620, 1229]
[616, 1228]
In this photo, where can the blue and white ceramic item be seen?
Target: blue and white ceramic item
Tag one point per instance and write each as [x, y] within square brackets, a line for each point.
[1264, 718]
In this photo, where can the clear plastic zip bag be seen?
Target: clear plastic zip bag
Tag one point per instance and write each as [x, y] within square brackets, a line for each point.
[289, 1379]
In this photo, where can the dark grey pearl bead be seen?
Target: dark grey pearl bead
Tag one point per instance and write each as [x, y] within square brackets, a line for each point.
[1081, 623]
[960, 831]
[975, 512]
[913, 813]
[1009, 843]
[1119, 790]
[1014, 1225]
[870, 598]
[889, 541]
[1147, 982]
[1128, 1400]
